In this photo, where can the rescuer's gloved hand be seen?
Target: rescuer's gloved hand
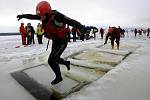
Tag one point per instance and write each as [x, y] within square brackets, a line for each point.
[86, 29]
[19, 17]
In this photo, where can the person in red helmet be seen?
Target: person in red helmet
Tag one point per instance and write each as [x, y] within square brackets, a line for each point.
[22, 32]
[114, 35]
[54, 25]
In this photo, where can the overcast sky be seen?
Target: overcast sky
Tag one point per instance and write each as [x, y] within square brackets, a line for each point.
[88, 12]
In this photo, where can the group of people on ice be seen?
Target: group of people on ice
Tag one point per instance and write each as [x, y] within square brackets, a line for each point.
[75, 34]
[28, 32]
[55, 26]
[141, 31]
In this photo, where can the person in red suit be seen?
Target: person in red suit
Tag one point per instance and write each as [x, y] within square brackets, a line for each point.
[54, 25]
[23, 34]
[114, 35]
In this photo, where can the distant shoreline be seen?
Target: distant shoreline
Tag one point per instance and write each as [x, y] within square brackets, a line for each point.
[7, 34]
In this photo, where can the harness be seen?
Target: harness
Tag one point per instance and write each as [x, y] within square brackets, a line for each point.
[54, 29]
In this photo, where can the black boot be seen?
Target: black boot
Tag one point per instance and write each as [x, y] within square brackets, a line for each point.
[56, 80]
[68, 65]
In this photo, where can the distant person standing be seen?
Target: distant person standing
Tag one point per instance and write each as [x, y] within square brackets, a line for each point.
[32, 32]
[135, 32]
[101, 32]
[148, 31]
[23, 34]
[74, 33]
[28, 33]
[39, 33]
[68, 31]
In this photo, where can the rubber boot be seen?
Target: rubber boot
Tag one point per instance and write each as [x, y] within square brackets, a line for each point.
[56, 69]
[58, 76]
[68, 65]
[56, 80]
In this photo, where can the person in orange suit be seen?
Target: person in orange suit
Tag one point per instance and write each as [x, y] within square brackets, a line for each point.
[23, 34]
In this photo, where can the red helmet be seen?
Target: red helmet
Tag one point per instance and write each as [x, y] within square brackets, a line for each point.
[42, 8]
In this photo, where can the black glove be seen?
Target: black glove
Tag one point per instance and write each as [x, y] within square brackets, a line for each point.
[105, 43]
[45, 35]
[19, 17]
[86, 29]
[94, 29]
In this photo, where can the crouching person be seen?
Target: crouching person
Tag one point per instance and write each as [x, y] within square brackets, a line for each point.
[114, 35]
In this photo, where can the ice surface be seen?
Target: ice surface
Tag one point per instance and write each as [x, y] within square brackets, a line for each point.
[99, 57]
[82, 74]
[129, 80]
[112, 51]
[102, 67]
